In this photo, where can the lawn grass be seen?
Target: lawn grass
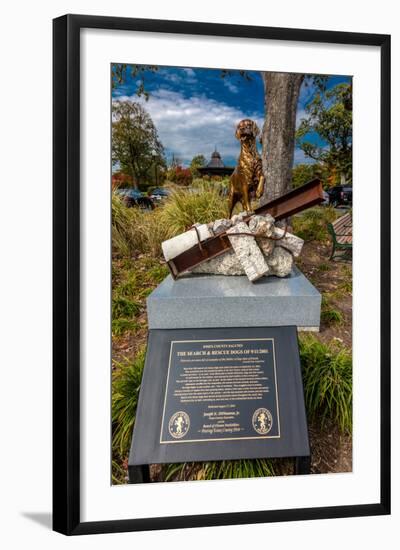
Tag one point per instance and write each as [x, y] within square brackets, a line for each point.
[311, 225]
[329, 313]
[133, 281]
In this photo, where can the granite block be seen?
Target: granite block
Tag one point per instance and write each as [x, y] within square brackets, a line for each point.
[200, 301]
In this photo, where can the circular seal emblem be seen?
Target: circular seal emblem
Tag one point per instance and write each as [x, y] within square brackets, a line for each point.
[179, 424]
[262, 421]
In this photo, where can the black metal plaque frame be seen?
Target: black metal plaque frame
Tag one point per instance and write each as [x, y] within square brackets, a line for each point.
[66, 271]
[288, 436]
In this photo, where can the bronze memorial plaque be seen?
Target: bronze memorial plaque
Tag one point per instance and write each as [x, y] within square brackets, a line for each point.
[220, 394]
[220, 390]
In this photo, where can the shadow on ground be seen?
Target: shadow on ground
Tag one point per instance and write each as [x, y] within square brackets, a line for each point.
[45, 519]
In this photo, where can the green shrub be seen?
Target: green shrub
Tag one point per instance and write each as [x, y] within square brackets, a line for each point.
[332, 316]
[202, 184]
[226, 469]
[311, 225]
[136, 231]
[220, 186]
[184, 208]
[125, 393]
[327, 379]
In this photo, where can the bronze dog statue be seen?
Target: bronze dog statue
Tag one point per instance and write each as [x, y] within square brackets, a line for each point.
[248, 174]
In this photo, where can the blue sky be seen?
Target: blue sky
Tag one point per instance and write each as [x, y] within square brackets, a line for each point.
[196, 110]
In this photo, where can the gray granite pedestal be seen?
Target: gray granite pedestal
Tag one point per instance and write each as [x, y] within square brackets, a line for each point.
[200, 301]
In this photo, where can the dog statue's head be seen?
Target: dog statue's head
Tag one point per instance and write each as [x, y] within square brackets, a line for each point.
[246, 129]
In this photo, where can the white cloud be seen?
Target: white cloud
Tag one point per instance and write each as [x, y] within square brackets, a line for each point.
[189, 71]
[230, 85]
[190, 76]
[184, 76]
[195, 125]
[172, 77]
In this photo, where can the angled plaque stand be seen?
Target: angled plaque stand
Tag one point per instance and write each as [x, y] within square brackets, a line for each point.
[220, 394]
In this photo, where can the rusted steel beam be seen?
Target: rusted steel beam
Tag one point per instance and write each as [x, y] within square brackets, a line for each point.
[287, 205]
[295, 201]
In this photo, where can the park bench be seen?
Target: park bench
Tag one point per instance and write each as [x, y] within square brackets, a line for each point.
[341, 231]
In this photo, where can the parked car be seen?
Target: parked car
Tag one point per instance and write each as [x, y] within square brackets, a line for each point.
[340, 195]
[159, 194]
[134, 197]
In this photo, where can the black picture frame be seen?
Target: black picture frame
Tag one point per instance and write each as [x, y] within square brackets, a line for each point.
[66, 272]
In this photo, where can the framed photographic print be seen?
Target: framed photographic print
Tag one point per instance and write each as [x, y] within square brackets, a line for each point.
[221, 274]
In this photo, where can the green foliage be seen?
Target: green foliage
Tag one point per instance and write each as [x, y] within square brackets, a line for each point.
[155, 274]
[327, 379]
[311, 225]
[186, 207]
[197, 161]
[124, 311]
[122, 307]
[303, 173]
[122, 223]
[332, 316]
[136, 231]
[133, 280]
[329, 313]
[136, 147]
[226, 469]
[346, 286]
[121, 325]
[329, 115]
[205, 183]
[126, 382]
[119, 72]
[118, 474]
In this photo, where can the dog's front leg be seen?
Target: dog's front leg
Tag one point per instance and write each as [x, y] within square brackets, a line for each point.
[232, 200]
[260, 187]
[245, 200]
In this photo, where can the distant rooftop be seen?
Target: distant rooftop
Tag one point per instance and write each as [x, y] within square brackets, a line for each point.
[216, 161]
[216, 167]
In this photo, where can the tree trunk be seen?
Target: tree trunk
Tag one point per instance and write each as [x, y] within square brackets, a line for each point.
[134, 179]
[278, 135]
